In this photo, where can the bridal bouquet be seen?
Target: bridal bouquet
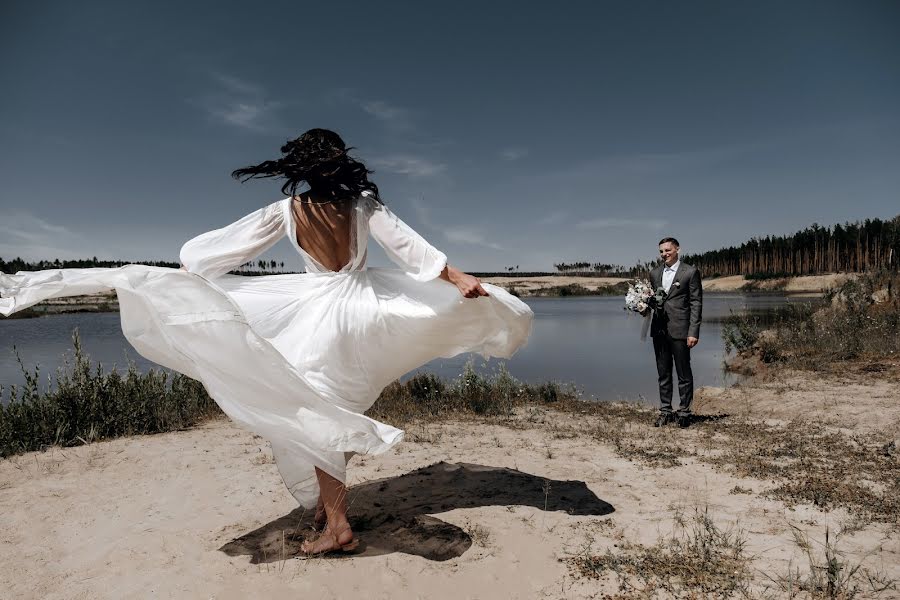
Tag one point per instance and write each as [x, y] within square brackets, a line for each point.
[641, 298]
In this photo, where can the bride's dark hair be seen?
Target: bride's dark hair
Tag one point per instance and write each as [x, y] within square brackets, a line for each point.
[318, 158]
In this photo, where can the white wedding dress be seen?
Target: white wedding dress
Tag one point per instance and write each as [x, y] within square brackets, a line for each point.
[296, 359]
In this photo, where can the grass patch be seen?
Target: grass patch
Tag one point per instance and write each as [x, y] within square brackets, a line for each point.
[86, 404]
[698, 559]
[828, 574]
[805, 461]
[860, 320]
[810, 463]
[496, 395]
[481, 536]
[27, 313]
[576, 289]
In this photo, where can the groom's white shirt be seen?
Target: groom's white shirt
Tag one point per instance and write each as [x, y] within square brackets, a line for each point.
[668, 275]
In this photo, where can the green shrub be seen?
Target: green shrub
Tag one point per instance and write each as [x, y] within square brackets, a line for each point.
[860, 319]
[426, 396]
[740, 332]
[85, 404]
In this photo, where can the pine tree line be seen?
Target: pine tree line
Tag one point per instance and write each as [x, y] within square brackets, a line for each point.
[603, 269]
[17, 264]
[254, 267]
[868, 245]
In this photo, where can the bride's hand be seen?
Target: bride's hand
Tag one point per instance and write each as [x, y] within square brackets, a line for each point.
[468, 286]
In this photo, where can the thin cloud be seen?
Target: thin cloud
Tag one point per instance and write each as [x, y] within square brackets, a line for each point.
[468, 235]
[512, 154]
[238, 86]
[32, 238]
[395, 118]
[607, 223]
[460, 234]
[387, 113]
[423, 213]
[412, 166]
[554, 218]
[241, 104]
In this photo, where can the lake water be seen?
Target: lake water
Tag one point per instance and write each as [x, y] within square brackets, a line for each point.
[589, 341]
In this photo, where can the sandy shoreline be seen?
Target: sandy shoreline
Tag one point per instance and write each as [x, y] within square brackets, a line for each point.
[456, 511]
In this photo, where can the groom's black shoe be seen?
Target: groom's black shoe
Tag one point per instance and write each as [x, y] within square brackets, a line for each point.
[664, 419]
[684, 421]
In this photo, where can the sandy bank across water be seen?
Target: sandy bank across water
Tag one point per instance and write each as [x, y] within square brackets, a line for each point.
[806, 284]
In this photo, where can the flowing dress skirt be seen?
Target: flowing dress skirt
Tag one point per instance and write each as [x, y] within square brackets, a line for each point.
[296, 359]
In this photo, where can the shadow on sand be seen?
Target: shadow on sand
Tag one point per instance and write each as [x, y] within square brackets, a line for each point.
[392, 514]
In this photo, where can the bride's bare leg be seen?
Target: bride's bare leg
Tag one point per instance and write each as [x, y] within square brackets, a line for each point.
[320, 520]
[337, 533]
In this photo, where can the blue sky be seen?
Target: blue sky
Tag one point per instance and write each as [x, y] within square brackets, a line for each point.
[505, 133]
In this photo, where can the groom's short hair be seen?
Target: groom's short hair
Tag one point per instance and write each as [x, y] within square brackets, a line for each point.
[669, 239]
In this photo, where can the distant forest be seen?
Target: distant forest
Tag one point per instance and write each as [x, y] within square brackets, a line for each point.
[256, 267]
[867, 245]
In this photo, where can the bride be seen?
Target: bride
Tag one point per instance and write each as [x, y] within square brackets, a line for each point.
[298, 359]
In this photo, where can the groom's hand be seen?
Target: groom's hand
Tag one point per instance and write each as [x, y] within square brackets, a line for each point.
[692, 341]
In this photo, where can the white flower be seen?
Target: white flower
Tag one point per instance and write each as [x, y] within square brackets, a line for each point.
[638, 295]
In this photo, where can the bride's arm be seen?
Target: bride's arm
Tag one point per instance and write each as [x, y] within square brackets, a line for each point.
[468, 285]
[409, 251]
[216, 252]
[406, 248]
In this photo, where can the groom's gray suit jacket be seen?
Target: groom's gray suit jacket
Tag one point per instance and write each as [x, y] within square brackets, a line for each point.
[682, 310]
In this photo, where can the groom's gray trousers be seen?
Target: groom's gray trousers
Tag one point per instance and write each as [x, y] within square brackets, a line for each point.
[669, 350]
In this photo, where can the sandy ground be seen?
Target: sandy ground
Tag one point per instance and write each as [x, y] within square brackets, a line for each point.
[530, 284]
[459, 510]
[807, 284]
[102, 302]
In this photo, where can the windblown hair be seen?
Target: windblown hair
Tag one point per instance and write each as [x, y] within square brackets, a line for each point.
[319, 159]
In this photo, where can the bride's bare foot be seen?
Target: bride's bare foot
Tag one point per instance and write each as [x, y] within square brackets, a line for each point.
[328, 541]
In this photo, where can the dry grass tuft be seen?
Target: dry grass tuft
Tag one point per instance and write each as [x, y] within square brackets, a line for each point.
[829, 575]
[481, 536]
[812, 464]
[698, 559]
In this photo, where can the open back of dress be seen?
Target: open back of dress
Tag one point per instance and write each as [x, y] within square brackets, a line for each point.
[324, 231]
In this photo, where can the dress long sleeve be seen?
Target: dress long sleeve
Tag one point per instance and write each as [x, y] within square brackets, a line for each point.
[406, 248]
[214, 253]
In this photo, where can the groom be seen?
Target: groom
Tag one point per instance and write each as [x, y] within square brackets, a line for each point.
[675, 329]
